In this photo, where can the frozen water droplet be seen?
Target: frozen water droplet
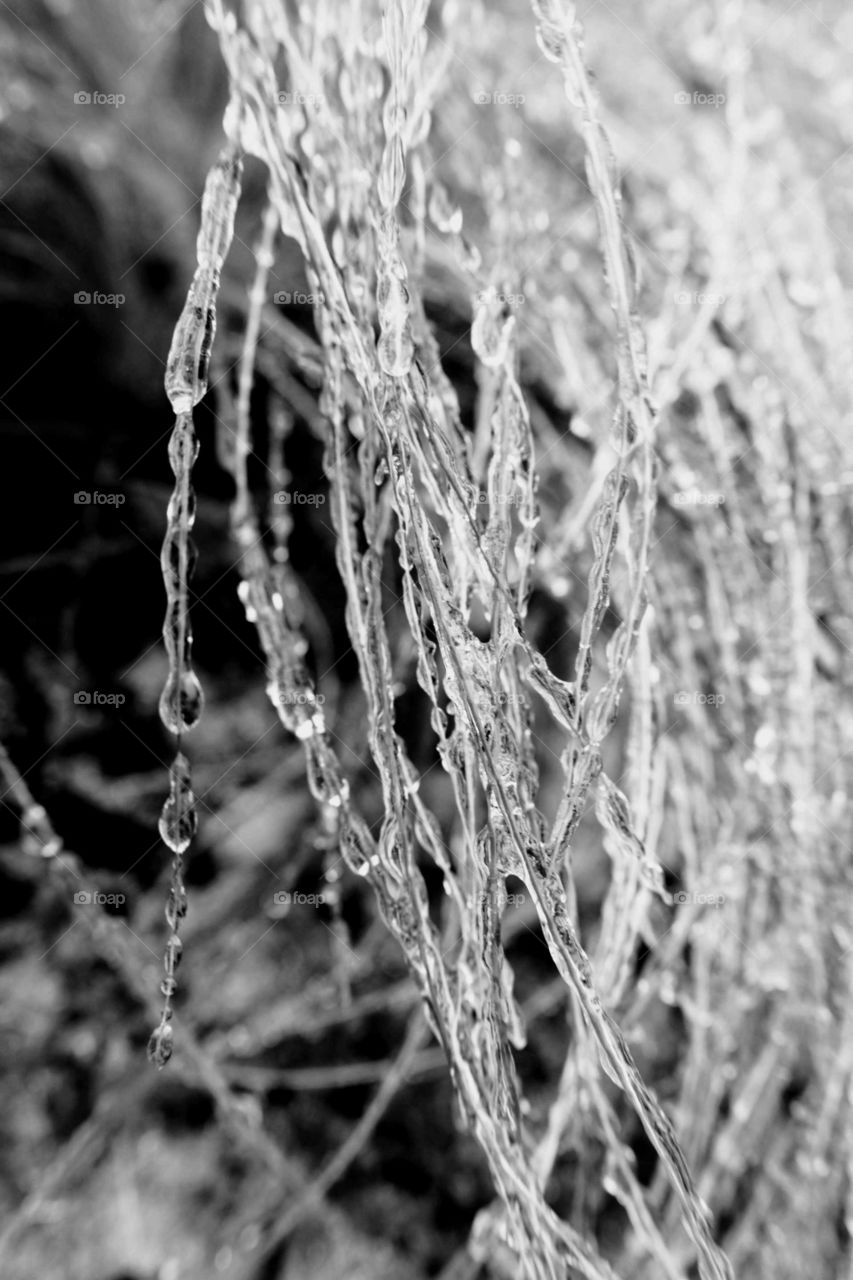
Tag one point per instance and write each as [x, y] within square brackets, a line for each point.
[160, 1045]
[178, 819]
[306, 729]
[174, 952]
[181, 702]
[176, 907]
[339, 247]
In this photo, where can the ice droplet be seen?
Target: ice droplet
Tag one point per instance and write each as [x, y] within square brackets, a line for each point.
[176, 907]
[181, 702]
[308, 728]
[174, 951]
[178, 820]
[160, 1045]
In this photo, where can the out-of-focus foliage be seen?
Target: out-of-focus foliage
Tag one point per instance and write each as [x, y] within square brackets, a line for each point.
[540, 514]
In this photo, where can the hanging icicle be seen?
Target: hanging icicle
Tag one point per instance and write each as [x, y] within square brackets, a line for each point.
[182, 700]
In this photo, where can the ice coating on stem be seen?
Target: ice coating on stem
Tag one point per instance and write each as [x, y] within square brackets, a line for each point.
[396, 346]
[160, 1045]
[182, 699]
[189, 354]
[177, 827]
[464, 528]
[37, 833]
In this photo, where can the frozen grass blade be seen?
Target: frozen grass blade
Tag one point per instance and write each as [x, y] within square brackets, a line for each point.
[182, 700]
